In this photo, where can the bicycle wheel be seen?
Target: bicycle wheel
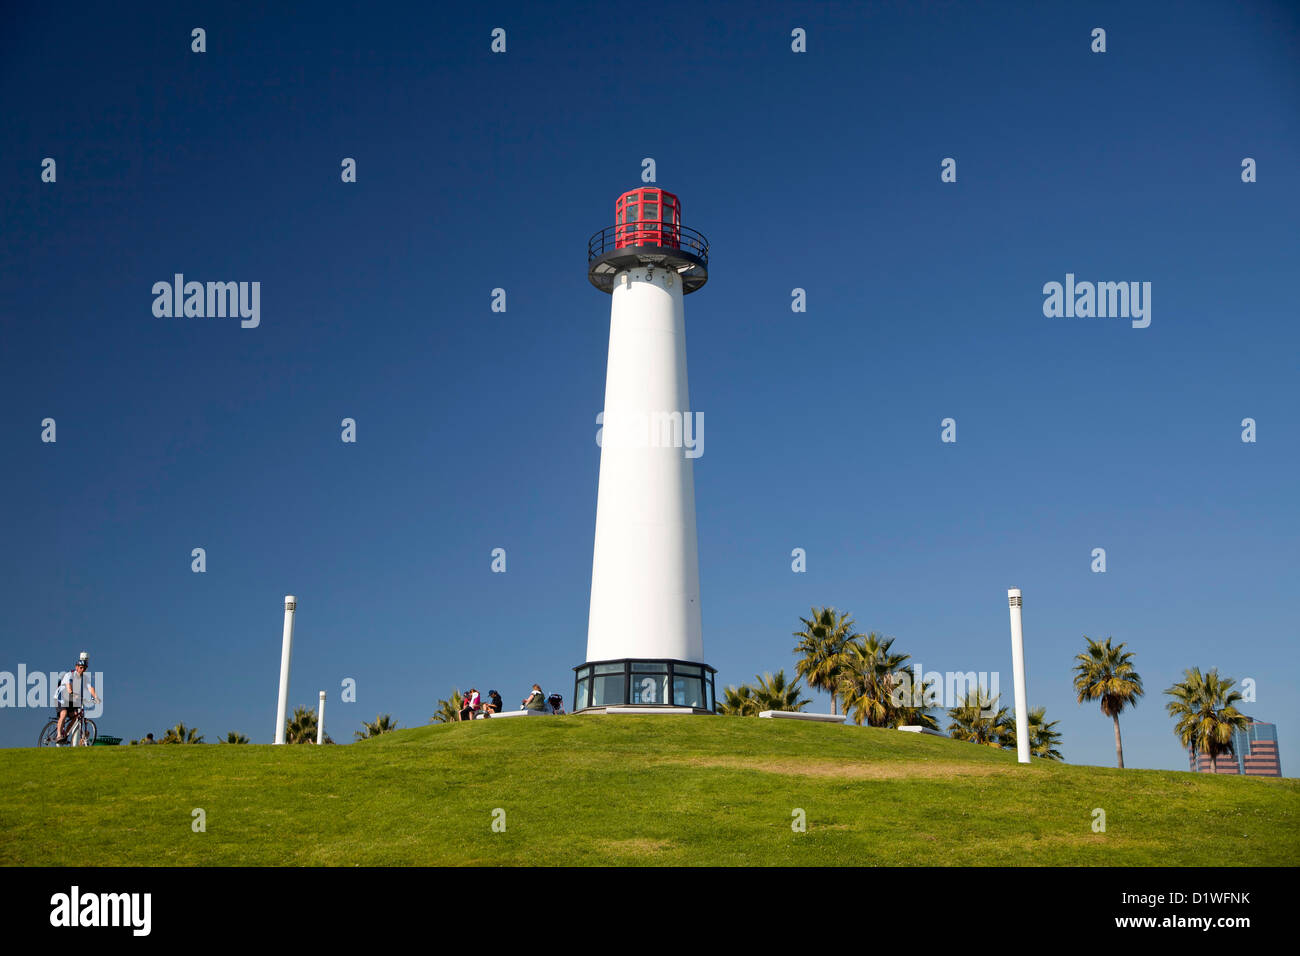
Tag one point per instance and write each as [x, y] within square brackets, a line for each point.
[48, 733]
[84, 735]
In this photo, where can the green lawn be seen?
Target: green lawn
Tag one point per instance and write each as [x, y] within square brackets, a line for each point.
[627, 790]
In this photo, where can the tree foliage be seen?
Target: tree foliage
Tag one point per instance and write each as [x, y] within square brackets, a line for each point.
[180, 734]
[382, 724]
[301, 728]
[1204, 707]
[821, 649]
[448, 711]
[979, 720]
[1106, 673]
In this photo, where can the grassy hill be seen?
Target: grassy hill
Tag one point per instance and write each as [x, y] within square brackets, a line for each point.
[627, 790]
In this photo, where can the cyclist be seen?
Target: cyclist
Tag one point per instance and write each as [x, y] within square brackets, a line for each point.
[72, 689]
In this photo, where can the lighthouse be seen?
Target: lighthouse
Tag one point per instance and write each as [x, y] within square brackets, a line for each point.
[645, 648]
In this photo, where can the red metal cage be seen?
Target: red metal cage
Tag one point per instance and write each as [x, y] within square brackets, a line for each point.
[647, 216]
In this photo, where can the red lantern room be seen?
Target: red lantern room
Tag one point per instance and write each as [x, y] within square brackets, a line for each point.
[648, 231]
[647, 216]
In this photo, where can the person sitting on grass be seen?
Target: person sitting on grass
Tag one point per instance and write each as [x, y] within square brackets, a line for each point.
[536, 700]
[470, 705]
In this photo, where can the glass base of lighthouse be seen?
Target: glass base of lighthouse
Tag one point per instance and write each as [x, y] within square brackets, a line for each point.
[639, 682]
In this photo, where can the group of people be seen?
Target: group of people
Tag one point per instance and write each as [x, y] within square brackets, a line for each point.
[473, 706]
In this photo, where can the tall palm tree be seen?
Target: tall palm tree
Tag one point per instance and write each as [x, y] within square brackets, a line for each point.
[773, 693]
[868, 678]
[1205, 707]
[382, 724]
[820, 650]
[180, 734]
[1043, 737]
[234, 737]
[1106, 673]
[973, 722]
[738, 702]
[448, 711]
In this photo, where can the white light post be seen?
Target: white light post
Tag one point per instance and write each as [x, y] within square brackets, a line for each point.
[320, 719]
[1018, 672]
[286, 651]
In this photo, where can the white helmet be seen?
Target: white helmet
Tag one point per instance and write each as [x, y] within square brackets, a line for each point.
[84, 658]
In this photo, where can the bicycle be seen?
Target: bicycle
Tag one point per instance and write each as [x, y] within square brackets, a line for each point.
[81, 731]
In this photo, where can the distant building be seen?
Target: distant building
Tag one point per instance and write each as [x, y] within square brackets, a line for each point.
[1254, 753]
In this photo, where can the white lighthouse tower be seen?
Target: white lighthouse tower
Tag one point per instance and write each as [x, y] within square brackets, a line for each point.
[644, 642]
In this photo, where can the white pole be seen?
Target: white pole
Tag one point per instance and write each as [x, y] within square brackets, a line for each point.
[320, 719]
[1018, 671]
[286, 652]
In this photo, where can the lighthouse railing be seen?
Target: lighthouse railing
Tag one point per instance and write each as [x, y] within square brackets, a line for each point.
[664, 234]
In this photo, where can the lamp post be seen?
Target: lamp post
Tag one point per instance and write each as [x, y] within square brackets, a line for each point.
[286, 652]
[1018, 672]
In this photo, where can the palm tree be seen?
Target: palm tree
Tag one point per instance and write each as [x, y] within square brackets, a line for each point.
[738, 702]
[820, 650]
[973, 722]
[1205, 706]
[382, 725]
[448, 711]
[1106, 673]
[868, 679]
[301, 728]
[914, 710]
[182, 735]
[234, 737]
[1043, 737]
[773, 693]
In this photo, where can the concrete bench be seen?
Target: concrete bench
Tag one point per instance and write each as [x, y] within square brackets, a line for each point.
[627, 709]
[913, 729]
[795, 715]
[522, 713]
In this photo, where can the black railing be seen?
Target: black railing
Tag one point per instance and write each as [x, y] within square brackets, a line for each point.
[666, 235]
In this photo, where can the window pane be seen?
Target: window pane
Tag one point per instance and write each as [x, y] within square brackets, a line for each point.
[580, 695]
[652, 211]
[688, 692]
[607, 690]
[632, 214]
[686, 669]
[650, 689]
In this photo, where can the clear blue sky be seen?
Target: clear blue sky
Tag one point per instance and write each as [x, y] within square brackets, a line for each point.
[476, 429]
